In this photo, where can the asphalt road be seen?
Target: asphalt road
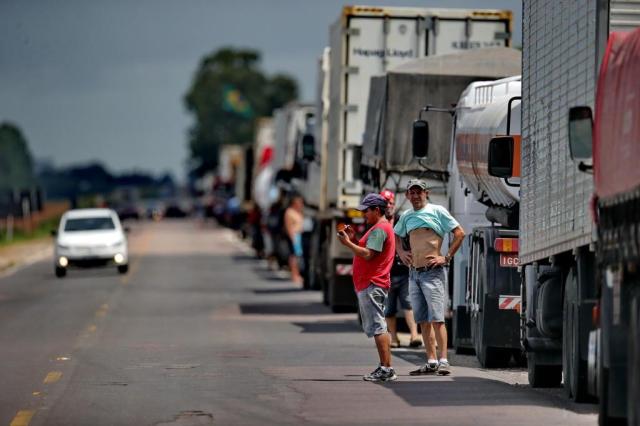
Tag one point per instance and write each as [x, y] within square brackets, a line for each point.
[199, 333]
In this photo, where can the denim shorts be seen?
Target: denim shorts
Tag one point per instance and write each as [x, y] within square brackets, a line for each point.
[427, 293]
[399, 292]
[371, 302]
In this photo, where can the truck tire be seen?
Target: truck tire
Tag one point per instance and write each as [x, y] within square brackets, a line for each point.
[60, 272]
[519, 357]
[489, 357]
[604, 419]
[573, 366]
[633, 392]
[543, 376]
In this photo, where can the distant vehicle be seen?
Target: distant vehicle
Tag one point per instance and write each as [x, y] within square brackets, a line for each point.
[174, 210]
[129, 211]
[90, 237]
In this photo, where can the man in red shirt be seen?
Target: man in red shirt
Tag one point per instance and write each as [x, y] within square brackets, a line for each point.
[372, 261]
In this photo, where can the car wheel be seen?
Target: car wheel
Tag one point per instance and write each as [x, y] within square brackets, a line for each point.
[60, 272]
[123, 269]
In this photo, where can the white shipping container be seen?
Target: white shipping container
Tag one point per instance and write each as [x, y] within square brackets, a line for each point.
[368, 41]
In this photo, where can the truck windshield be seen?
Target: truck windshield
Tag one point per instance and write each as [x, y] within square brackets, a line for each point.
[89, 224]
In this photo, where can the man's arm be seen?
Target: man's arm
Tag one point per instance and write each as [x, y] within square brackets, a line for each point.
[458, 238]
[405, 255]
[289, 224]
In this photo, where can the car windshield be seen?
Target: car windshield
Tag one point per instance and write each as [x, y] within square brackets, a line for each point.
[89, 224]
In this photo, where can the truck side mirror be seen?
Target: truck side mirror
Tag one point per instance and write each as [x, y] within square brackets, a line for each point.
[420, 139]
[501, 157]
[308, 147]
[581, 136]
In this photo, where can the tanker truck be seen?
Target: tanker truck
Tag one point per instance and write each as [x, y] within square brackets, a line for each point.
[365, 41]
[486, 283]
[614, 152]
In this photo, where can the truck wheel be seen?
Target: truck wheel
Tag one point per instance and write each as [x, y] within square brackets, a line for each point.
[489, 357]
[604, 419]
[519, 357]
[123, 269]
[574, 368]
[60, 272]
[543, 376]
[633, 392]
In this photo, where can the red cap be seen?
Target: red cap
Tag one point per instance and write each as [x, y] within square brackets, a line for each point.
[388, 195]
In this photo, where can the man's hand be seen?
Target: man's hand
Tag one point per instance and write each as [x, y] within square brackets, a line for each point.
[405, 257]
[351, 233]
[343, 237]
[433, 261]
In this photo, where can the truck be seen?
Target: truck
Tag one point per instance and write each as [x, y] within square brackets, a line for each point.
[607, 147]
[365, 41]
[292, 123]
[483, 280]
[563, 45]
[488, 297]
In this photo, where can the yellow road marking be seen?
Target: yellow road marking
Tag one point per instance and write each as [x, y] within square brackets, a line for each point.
[52, 377]
[22, 418]
[102, 311]
[63, 358]
[36, 393]
[92, 328]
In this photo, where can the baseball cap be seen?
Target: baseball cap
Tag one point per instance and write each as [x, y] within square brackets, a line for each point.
[388, 195]
[372, 200]
[416, 182]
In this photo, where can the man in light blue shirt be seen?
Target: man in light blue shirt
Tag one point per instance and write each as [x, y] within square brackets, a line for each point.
[426, 225]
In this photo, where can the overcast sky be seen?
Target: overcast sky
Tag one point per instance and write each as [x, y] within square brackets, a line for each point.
[104, 79]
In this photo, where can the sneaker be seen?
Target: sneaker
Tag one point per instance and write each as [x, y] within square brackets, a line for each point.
[428, 368]
[379, 375]
[444, 369]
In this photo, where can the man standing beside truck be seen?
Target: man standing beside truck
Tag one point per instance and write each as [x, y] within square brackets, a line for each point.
[399, 291]
[426, 225]
[372, 261]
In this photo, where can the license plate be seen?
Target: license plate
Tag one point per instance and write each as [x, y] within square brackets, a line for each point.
[509, 260]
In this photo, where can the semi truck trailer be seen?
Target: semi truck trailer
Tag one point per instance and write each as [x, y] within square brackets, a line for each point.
[606, 147]
[366, 41]
[563, 44]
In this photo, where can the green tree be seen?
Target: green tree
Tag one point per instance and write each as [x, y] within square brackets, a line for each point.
[16, 163]
[227, 94]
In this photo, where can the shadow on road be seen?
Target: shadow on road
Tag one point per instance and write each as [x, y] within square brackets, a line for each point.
[348, 326]
[245, 258]
[288, 308]
[470, 391]
[281, 290]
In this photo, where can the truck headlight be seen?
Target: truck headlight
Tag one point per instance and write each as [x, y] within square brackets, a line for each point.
[118, 258]
[63, 261]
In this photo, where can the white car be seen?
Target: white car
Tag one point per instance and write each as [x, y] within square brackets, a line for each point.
[90, 237]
